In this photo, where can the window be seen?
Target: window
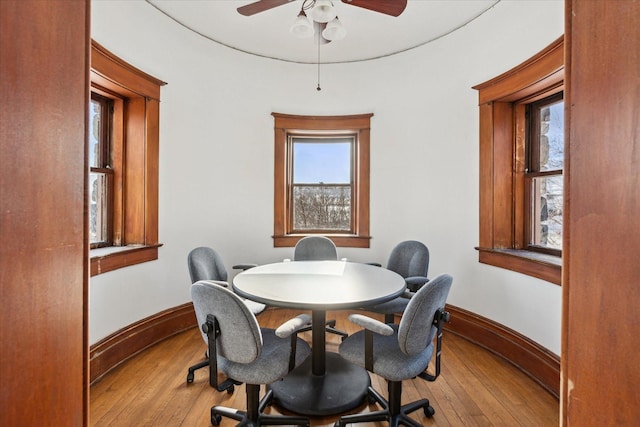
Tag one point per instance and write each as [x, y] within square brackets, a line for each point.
[123, 156]
[322, 179]
[101, 171]
[543, 175]
[521, 162]
[322, 184]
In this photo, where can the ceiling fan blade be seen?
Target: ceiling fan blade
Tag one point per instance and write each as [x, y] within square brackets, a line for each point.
[260, 6]
[388, 7]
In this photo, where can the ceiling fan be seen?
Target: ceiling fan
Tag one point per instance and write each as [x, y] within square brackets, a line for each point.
[323, 22]
[387, 7]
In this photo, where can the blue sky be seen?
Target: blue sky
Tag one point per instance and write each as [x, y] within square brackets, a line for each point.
[315, 162]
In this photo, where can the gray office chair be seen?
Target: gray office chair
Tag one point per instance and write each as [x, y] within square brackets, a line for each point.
[206, 264]
[400, 352]
[315, 248]
[410, 259]
[318, 248]
[246, 353]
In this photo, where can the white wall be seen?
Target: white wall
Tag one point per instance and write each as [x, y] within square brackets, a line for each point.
[216, 155]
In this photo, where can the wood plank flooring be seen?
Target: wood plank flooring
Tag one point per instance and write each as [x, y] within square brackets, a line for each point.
[475, 388]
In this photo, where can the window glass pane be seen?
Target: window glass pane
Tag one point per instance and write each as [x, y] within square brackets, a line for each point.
[101, 172]
[546, 211]
[322, 207]
[325, 161]
[98, 213]
[322, 174]
[551, 144]
[95, 132]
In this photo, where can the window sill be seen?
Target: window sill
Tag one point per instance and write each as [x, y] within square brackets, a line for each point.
[115, 257]
[340, 240]
[541, 266]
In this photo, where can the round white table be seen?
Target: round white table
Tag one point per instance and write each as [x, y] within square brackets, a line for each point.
[325, 384]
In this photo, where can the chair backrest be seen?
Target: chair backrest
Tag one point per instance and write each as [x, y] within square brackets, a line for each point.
[240, 337]
[315, 248]
[206, 264]
[416, 330]
[409, 258]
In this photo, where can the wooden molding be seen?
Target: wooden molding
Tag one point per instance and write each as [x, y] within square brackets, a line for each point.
[543, 70]
[111, 68]
[532, 359]
[542, 266]
[122, 345]
[130, 256]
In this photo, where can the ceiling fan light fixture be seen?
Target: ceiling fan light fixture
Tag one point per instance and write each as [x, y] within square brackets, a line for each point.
[334, 30]
[302, 27]
[323, 11]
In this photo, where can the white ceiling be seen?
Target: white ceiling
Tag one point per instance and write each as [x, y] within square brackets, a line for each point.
[370, 34]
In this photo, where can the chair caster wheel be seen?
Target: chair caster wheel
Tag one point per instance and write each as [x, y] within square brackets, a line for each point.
[230, 389]
[370, 399]
[216, 419]
[429, 411]
[190, 377]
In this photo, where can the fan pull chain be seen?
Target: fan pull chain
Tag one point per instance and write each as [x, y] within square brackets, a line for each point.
[318, 88]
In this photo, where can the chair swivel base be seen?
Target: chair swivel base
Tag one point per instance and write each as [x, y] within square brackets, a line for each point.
[254, 416]
[330, 326]
[192, 369]
[392, 411]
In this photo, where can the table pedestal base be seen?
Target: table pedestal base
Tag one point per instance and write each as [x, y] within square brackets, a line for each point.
[343, 387]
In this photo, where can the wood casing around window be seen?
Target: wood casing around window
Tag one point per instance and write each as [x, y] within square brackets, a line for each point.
[357, 124]
[135, 215]
[502, 161]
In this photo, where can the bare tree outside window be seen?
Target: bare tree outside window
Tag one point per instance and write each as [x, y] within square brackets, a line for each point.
[322, 207]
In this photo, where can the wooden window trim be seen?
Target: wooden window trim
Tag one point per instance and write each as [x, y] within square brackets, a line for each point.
[358, 124]
[502, 166]
[135, 212]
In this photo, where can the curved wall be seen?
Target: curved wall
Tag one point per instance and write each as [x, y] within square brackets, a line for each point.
[216, 155]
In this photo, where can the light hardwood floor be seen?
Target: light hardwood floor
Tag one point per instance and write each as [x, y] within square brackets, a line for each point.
[475, 388]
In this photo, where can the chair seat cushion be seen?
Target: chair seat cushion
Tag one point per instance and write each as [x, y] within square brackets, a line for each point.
[396, 305]
[388, 360]
[271, 365]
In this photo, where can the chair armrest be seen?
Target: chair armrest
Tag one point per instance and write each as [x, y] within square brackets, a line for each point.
[217, 282]
[290, 329]
[408, 294]
[415, 282]
[292, 326]
[244, 266]
[370, 324]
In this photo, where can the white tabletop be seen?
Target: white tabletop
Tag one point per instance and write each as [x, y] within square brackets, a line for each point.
[319, 285]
